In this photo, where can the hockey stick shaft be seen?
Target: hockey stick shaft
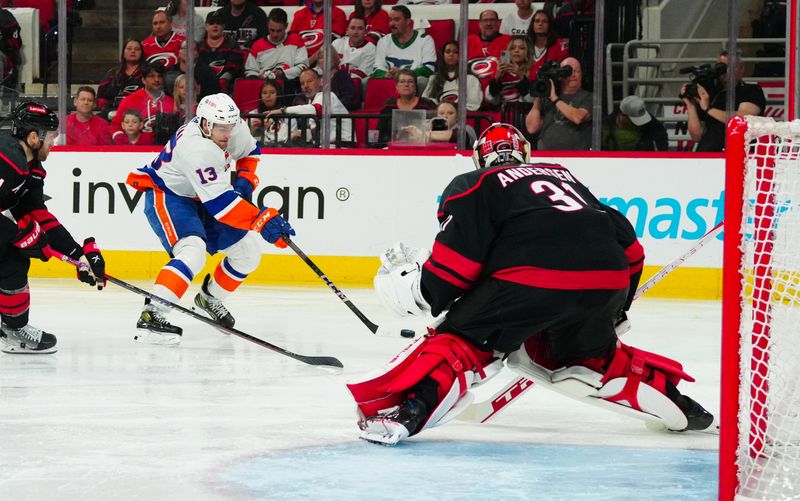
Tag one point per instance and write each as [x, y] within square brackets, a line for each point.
[666, 270]
[310, 360]
[481, 412]
[373, 327]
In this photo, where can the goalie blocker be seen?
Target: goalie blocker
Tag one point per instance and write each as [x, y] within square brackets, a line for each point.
[525, 256]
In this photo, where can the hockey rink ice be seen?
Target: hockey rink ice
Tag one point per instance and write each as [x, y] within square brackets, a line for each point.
[221, 418]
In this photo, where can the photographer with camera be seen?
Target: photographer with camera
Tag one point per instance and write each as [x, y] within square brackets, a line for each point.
[561, 108]
[705, 98]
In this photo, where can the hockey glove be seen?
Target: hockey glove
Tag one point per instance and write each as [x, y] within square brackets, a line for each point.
[31, 240]
[96, 274]
[244, 188]
[272, 227]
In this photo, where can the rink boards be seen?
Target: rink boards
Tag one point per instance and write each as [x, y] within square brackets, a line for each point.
[349, 206]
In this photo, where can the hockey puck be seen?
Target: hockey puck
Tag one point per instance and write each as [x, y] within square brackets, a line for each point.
[407, 333]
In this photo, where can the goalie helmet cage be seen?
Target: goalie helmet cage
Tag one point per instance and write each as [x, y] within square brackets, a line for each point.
[760, 386]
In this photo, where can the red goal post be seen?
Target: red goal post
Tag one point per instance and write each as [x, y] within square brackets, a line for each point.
[760, 387]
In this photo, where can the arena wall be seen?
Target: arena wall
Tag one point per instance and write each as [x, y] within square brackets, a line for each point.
[349, 206]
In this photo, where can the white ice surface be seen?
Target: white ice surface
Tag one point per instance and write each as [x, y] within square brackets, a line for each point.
[108, 418]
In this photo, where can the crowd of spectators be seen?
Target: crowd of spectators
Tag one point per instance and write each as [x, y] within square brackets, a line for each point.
[142, 100]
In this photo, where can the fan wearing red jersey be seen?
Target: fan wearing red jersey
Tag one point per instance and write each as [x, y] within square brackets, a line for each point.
[527, 264]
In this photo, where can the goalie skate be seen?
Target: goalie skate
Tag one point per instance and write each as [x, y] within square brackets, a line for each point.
[395, 425]
[27, 340]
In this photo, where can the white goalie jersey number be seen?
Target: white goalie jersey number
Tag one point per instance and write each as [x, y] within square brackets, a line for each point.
[559, 197]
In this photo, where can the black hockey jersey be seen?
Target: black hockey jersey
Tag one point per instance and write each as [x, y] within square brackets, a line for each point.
[534, 225]
[22, 192]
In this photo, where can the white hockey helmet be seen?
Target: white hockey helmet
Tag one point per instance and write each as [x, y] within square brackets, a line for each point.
[501, 144]
[219, 109]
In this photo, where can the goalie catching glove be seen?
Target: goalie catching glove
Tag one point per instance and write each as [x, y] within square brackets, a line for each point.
[398, 280]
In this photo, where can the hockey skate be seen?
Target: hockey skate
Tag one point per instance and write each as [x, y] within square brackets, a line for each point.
[26, 340]
[395, 425]
[155, 329]
[213, 306]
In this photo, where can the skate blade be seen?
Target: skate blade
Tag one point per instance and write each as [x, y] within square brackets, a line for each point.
[158, 338]
[382, 432]
[16, 350]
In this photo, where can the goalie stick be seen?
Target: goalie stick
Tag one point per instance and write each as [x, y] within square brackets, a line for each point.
[372, 326]
[481, 412]
[310, 360]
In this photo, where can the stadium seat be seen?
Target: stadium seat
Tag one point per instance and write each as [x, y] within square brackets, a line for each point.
[442, 31]
[358, 92]
[246, 93]
[378, 91]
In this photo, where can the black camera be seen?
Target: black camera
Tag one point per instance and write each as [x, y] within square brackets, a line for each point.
[439, 123]
[551, 70]
[706, 75]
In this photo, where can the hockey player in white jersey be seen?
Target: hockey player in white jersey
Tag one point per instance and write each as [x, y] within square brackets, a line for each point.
[194, 208]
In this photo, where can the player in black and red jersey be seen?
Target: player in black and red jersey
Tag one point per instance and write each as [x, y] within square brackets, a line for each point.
[33, 232]
[527, 262]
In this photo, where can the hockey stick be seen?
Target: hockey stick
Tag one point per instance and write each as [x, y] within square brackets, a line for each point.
[373, 327]
[481, 412]
[310, 360]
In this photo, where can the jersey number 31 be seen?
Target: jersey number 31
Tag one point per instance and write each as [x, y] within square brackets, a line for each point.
[560, 199]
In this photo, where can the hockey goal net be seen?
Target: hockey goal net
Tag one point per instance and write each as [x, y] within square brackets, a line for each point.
[760, 408]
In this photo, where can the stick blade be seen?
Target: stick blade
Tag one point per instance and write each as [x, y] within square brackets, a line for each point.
[323, 361]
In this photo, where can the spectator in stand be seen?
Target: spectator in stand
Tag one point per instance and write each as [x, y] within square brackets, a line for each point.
[443, 84]
[311, 85]
[449, 112]
[707, 112]
[179, 96]
[270, 131]
[177, 12]
[511, 82]
[10, 45]
[149, 100]
[356, 53]
[517, 22]
[121, 81]
[163, 46]
[279, 55]
[204, 75]
[83, 127]
[244, 22]
[564, 120]
[308, 22]
[218, 52]
[407, 99]
[376, 19]
[341, 83]
[132, 127]
[404, 48]
[632, 128]
[484, 49]
[543, 41]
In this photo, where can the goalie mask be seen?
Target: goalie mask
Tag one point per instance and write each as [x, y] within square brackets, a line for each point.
[501, 144]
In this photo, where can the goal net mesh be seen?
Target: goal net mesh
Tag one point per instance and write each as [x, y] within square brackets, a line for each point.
[768, 454]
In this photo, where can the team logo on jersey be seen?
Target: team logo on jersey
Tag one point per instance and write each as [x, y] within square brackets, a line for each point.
[483, 68]
[312, 39]
[167, 59]
[450, 96]
[149, 123]
[130, 89]
[217, 66]
[444, 223]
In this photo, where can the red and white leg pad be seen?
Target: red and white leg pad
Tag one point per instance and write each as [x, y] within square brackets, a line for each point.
[634, 383]
[454, 363]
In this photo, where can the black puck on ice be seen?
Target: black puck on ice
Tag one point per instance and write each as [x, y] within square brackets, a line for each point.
[407, 333]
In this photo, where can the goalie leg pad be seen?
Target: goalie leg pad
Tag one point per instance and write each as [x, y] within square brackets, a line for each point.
[619, 387]
[452, 362]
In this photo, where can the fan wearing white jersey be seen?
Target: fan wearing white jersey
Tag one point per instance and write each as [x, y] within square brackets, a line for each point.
[194, 208]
